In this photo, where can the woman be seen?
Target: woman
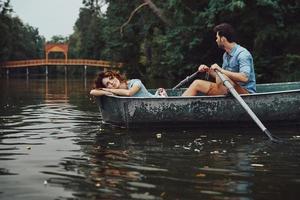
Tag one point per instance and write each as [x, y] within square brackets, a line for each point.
[112, 83]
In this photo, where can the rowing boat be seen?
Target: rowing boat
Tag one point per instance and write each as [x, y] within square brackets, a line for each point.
[273, 102]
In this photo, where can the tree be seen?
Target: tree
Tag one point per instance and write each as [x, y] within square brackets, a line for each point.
[88, 38]
[269, 29]
[18, 41]
[59, 39]
[169, 39]
[5, 7]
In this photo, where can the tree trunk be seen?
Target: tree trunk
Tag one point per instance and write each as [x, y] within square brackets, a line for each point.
[158, 12]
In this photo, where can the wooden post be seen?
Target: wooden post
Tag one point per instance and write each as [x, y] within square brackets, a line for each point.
[85, 67]
[66, 89]
[66, 71]
[46, 70]
[46, 89]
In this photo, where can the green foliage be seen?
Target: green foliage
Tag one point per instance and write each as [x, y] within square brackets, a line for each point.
[268, 28]
[149, 47]
[5, 7]
[18, 41]
[58, 39]
[87, 39]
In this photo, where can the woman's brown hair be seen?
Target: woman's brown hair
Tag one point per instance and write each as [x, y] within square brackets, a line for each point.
[98, 82]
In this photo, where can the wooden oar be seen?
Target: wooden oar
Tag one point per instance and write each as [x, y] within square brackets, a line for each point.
[184, 81]
[245, 106]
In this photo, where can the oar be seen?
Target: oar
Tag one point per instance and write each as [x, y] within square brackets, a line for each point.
[245, 106]
[184, 81]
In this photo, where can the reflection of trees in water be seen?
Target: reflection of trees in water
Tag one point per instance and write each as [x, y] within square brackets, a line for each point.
[101, 173]
[52, 90]
[59, 90]
[241, 170]
[108, 170]
[119, 164]
[191, 165]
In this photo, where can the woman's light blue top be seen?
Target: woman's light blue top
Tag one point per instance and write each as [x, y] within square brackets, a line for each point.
[143, 92]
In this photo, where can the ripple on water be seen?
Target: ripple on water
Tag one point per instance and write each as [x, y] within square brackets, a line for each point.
[61, 147]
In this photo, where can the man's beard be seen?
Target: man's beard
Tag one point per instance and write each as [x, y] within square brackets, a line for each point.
[221, 46]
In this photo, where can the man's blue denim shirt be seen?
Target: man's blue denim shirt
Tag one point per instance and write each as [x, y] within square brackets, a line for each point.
[240, 60]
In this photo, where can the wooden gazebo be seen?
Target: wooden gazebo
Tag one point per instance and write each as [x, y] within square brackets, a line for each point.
[50, 47]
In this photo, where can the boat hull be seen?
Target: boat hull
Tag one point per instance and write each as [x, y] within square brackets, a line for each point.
[283, 106]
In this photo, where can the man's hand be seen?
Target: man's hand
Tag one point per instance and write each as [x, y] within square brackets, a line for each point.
[215, 67]
[203, 68]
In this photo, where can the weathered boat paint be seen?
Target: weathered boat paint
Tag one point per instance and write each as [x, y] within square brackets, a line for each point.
[277, 102]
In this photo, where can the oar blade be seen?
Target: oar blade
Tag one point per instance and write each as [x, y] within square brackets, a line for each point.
[245, 106]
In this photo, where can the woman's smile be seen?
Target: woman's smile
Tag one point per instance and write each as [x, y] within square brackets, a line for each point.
[111, 82]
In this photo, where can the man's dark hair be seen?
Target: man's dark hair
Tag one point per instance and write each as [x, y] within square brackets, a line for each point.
[226, 30]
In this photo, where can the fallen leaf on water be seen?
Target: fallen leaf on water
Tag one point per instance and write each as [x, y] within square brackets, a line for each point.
[257, 165]
[200, 175]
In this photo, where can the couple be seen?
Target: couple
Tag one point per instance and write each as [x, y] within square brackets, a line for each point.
[237, 67]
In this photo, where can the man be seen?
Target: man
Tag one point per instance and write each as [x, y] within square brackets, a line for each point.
[237, 67]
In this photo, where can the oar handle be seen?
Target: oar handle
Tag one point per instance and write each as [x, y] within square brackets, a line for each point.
[188, 78]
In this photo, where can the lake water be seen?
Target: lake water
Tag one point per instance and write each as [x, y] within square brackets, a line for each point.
[54, 146]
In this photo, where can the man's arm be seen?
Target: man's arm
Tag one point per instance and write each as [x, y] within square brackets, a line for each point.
[235, 76]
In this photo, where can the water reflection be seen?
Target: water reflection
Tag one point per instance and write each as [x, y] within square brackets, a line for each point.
[53, 146]
[58, 94]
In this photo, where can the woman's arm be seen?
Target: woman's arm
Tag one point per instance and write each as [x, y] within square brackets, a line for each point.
[124, 92]
[99, 92]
